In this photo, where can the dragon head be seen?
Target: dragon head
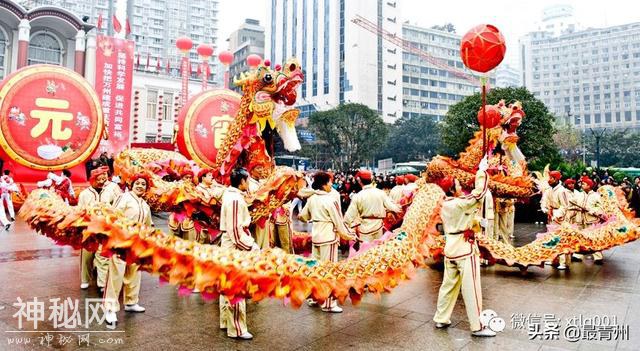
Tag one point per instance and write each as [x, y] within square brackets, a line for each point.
[270, 95]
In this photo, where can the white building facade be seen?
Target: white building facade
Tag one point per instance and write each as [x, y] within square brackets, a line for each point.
[589, 77]
[429, 89]
[248, 39]
[155, 26]
[507, 76]
[341, 61]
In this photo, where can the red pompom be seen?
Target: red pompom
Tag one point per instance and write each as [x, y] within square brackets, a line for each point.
[493, 116]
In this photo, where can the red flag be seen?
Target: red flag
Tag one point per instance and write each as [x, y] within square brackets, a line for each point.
[100, 22]
[199, 69]
[158, 65]
[138, 61]
[168, 66]
[116, 24]
[128, 27]
[148, 61]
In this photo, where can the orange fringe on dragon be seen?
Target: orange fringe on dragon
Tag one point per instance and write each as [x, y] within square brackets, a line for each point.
[273, 273]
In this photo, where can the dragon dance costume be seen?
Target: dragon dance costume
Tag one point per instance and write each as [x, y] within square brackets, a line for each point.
[460, 218]
[120, 273]
[234, 224]
[105, 192]
[368, 209]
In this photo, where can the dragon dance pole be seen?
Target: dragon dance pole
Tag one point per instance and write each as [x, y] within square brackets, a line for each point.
[483, 81]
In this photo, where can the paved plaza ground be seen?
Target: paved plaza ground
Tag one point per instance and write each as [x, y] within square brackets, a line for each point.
[32, 266]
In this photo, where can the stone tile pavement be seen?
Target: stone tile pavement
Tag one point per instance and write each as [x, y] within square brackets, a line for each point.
[32, 266]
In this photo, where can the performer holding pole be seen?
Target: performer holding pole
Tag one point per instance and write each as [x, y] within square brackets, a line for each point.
[323, 210]
[370, 205]
[100, 191]
[234, 224]
[120, 273]
[588, 208]
[460, 217]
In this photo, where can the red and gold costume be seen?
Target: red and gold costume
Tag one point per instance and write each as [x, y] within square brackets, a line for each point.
[179, 222]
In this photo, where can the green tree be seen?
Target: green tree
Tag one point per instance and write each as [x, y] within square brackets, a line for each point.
[353, 133]
[536, 132]
[412, 139]
[618, 148]
[569, 142]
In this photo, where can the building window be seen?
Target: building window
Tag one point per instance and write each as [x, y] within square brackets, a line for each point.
[3, 53]
[45, 48]
[152, 104]
[167, 106]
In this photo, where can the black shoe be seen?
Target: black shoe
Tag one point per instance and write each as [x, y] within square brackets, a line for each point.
[100, 291]
[442, 325]
[13, 219]
[575, 259]
[598, 262]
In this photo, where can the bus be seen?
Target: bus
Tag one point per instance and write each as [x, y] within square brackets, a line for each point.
[413, 167]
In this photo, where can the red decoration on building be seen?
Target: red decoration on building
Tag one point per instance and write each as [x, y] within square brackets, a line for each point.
[114, 78]
[225, 57]
[205, 51]
[482, 48]
[203, 122]
[52, 118]
[254, 60]
[184, 44]
[160, 118]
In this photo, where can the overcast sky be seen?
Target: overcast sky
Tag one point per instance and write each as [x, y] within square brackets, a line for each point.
[514, 18]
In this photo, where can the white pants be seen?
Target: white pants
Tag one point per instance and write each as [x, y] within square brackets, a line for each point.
[9, 201]
[3, 216]
[295, 203]
[460, 275]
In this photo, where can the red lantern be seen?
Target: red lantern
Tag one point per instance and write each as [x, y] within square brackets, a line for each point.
[225, 57]
[205, 50]
[184, 44]
[482, 48]
[254, 60]
[493, 116]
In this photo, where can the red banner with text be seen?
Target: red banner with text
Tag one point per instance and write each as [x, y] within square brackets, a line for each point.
[114, 75]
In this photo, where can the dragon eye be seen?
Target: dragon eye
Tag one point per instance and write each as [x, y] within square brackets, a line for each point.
[292, 67]
[267, 79]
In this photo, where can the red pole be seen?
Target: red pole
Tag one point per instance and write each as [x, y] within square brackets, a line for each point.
[484, 116]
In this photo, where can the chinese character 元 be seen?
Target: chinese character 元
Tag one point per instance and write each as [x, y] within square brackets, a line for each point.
[55, 117]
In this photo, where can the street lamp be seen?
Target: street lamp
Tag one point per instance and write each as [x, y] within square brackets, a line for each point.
[598, 137]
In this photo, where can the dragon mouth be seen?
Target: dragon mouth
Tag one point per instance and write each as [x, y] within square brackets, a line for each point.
[286, 91]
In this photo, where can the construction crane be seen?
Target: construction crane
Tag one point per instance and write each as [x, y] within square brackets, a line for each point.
[406, 45]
